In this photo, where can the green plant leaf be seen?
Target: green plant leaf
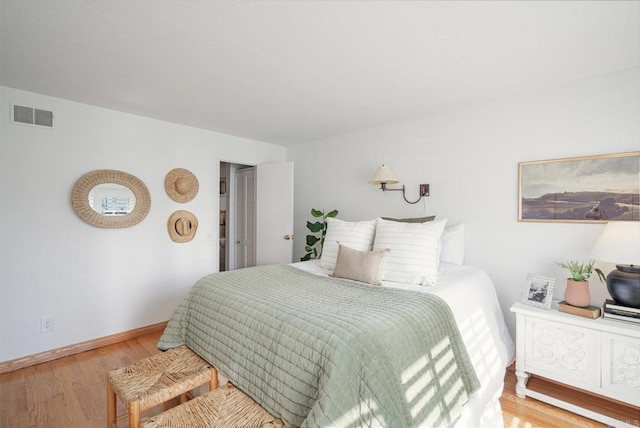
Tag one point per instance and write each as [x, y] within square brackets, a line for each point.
[318, 231]
[579, 271]
[315, 227]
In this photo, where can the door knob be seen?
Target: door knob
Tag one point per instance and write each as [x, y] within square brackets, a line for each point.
[288, 237]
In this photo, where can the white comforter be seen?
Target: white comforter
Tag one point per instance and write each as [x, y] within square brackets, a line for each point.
[471, 295]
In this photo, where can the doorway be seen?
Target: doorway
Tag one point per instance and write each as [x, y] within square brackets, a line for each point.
[233, 214]
[244, 244]
[256, 214]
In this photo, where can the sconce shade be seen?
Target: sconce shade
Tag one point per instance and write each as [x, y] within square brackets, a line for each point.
[618, 243]
[384, 175]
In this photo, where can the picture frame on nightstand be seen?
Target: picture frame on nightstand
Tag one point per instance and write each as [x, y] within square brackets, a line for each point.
[538, 291]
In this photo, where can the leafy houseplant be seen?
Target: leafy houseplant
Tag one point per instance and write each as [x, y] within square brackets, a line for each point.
[582, 271]
[318, 227]
[577, 291]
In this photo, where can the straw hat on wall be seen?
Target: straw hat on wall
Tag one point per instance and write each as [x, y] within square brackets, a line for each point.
[181, 185]
[182, 226]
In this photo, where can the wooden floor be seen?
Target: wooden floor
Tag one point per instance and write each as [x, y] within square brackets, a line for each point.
[71, 392]
[528, 412]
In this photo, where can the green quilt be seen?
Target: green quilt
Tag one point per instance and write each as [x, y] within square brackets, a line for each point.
[325, 352]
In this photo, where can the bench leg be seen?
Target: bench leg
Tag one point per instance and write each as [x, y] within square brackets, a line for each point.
[213, 383]
[134, 414]
[111, 406]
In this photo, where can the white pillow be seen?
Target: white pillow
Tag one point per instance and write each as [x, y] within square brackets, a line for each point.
[356, 235]
[415, 250]
[453, 245]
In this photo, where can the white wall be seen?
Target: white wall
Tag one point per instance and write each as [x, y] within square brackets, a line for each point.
[96, 282]
[470, 158]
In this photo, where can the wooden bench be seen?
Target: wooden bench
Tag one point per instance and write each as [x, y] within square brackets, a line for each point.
[155, 380]
[226, 407]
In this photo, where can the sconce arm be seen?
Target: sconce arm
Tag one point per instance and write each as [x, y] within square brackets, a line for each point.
[424, 191]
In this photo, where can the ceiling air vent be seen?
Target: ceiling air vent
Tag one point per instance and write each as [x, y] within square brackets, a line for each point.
[32, 116]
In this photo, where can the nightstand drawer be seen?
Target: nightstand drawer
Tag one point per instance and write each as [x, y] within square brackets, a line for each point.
[621, 367]
[563, 352]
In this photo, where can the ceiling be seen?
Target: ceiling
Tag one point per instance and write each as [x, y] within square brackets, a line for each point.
[286, 72]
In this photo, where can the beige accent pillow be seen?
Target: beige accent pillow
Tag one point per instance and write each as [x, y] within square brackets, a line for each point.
[363, 266]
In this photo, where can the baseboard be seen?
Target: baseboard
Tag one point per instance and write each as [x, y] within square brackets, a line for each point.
[54, 354]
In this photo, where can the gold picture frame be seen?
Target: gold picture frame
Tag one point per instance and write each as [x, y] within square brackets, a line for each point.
[587, 189]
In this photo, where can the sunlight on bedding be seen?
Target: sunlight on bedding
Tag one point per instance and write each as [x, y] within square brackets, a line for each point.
[418, 366]
[481, 346]
[361, 413]
[450, 369]
[422, 380]
[456, 397]
[419, 386]
[493, 410]
[424, 399]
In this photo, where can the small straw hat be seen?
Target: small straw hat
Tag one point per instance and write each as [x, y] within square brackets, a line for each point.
[182, 226]
[181, 185]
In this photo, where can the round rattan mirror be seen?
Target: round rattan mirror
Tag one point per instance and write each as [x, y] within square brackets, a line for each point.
[82, 193]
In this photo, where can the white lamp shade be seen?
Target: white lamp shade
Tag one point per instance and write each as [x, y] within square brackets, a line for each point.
[383, 175]
[619, 243]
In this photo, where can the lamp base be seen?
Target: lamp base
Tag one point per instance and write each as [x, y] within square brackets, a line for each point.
[623, 284]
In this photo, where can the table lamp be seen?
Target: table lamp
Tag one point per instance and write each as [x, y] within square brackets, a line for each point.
[619, 243]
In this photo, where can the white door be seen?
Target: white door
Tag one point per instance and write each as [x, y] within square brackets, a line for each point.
[245, 218]
[274, 213]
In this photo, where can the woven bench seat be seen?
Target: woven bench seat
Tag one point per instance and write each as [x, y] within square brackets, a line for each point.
[155, 380]
[225, 407]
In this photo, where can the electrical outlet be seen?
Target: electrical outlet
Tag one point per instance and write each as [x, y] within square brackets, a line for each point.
[46, 325]
[424, 190]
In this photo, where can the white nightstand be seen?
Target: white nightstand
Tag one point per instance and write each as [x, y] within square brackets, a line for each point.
[601, 356]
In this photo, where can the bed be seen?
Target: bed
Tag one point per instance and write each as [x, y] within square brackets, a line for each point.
[396, 346]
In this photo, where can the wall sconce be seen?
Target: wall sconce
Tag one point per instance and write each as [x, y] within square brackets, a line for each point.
[384, 176]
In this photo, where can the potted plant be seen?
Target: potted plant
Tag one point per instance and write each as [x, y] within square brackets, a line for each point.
[577, 291]
[318, 227]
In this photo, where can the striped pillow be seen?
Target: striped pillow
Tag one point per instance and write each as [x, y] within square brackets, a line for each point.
[355, 235]
[415, 250]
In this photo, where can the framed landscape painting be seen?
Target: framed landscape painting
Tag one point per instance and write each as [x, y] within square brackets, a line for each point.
[582, 189]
